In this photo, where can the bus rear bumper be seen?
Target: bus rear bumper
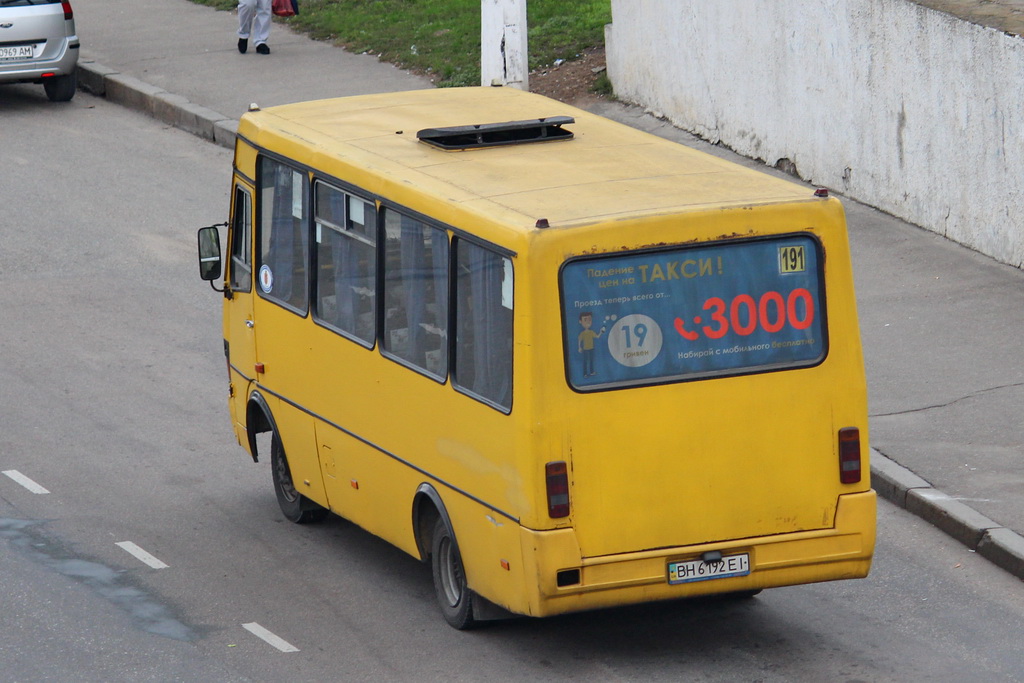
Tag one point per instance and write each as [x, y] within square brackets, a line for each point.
[842, 552]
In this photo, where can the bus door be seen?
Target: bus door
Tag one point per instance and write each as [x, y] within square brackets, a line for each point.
[240, 343]
[284, 367]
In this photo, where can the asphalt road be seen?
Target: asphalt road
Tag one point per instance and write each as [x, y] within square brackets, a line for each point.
[112, 399]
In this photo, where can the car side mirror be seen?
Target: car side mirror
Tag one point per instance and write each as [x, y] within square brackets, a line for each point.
[209, 253]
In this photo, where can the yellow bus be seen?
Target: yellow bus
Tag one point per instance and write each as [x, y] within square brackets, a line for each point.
[567, 363]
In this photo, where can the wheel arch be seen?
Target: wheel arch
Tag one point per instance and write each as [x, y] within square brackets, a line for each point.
[258, 419]
[427, 507]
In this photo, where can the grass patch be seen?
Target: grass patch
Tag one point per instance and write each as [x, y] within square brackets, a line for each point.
[441, 38]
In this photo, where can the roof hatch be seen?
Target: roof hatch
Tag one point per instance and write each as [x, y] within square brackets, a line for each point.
[497, 134]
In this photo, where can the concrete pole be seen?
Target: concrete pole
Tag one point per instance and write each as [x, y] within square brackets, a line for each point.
[503, 53]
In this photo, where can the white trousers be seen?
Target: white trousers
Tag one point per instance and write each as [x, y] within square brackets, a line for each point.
[254, 18]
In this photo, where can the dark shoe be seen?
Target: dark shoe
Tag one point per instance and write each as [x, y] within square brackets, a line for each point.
[243, 45]
[263, 49]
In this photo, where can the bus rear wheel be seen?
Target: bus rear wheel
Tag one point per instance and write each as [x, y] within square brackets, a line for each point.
[453, 593]
[295, 506]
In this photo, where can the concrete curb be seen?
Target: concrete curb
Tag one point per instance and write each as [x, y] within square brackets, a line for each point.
[1001, 546]
[164, 106]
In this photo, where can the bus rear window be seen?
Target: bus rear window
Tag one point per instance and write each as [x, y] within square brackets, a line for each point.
[704, 311]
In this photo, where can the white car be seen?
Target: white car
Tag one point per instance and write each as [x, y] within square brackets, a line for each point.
[38, 44]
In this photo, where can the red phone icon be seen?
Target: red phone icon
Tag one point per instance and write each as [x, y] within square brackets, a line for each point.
[692, 336]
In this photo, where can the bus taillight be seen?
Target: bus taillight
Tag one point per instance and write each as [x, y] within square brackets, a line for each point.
[849, 455]
[557, 476]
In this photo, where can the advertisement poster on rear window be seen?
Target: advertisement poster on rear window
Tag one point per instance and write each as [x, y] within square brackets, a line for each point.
[703, 311]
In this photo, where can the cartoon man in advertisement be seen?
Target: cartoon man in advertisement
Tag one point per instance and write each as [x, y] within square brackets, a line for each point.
[586, 341]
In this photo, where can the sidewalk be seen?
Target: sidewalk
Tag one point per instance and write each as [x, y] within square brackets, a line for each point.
[942, 326]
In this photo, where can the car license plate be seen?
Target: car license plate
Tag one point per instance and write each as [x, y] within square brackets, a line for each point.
[699, 570]
[17, 52]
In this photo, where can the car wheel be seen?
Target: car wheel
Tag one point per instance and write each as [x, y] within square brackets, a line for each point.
[295, 506]
[61, 88]
[453, 594]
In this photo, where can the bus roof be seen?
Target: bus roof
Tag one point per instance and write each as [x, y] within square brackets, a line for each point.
[605, 171]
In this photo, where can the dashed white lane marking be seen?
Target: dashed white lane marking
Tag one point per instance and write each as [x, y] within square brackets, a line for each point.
[262, 633]
[141, 555]
[25, 481]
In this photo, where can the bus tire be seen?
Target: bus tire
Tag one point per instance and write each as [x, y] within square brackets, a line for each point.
[453, 593]
[295, 506]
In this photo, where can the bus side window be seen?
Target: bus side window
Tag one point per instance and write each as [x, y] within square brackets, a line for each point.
[483, 327]
[241, 239]
[346, 262]
[284, 239]
[416, 293]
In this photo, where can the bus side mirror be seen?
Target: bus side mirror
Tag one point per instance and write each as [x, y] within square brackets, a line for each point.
[209, 253]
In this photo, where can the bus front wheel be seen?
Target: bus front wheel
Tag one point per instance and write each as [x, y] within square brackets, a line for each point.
[453, 594]
[295, 506]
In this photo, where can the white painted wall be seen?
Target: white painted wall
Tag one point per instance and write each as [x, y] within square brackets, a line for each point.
[899, 106]
[503, 44]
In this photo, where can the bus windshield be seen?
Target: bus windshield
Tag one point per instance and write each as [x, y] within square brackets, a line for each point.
[679, 314]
